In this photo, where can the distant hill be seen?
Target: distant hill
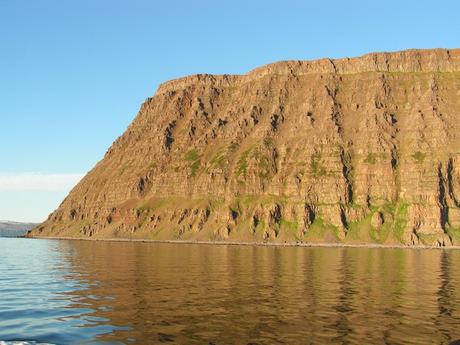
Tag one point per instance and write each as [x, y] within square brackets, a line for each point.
[9, 228]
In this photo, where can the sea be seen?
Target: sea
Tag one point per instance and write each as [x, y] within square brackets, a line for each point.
[100, 292]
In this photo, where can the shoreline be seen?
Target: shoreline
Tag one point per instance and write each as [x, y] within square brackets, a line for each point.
[232, 243]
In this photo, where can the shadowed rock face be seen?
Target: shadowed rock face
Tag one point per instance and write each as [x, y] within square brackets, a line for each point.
[354, 150]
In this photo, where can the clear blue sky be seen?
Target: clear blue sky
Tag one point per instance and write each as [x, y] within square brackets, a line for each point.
[73, 73]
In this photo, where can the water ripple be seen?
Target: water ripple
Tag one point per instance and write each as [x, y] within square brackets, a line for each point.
[71, 292]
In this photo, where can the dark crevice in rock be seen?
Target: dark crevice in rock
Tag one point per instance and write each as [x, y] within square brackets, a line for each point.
[168, 139]
[203, 218]
[255, 114]
[334, 67]
[310, 215]
[435, 101]
[274, 121]
[191, 131]
[368, 200]
[143, 185]
[275, 218]
[276, 213]
[385, 102]
[183, 215]
[450, 169]
[347, 172]
[378, 104]
[72, 214]
[255, 222]
[442, 198]
[343, 217]
[336, 114]
[311, 117]
[233, 214]
[394, 160]
[393, 122]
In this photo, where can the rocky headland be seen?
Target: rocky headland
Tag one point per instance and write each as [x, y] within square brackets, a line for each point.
[355, 150]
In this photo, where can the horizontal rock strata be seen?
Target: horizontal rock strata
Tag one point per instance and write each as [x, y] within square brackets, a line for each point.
[362, 150]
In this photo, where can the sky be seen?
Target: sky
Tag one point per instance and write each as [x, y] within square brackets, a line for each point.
[73, 73]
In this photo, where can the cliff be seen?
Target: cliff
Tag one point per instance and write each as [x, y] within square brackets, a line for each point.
[362, 150]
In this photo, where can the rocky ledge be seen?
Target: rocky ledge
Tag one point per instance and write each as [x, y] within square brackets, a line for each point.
[362, 150]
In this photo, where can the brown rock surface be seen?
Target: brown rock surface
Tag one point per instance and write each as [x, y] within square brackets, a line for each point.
[356, 150]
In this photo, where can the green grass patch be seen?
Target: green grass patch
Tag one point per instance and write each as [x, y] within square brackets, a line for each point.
[268, 142]
[379, 235]
[195, 166]
[428, 239]
[316, 167]
[218, 158]
[85, 222]
[321, 230]
[400, 219]
[398, 212]
[242, 164]
[232, 147]
[144, 207]
[264, 167]
[194, 157]
[371, 158]
[354, 230]
[260, 226]
[354, 206]
[395, 223]
[289, 225]
[419, 157]
[454, 234]
[288, 230]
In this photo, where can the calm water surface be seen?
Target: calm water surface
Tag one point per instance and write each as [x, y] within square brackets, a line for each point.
[79, 292]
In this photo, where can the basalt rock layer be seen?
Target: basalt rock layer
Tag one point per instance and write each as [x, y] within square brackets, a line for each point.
[362, 150]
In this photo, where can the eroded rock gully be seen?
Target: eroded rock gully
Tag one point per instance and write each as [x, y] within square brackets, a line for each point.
[361, 150]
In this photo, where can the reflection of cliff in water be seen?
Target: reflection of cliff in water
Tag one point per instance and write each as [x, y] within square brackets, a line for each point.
[235, 294]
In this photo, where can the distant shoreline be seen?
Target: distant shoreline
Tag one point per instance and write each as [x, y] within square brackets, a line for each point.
[260, 244]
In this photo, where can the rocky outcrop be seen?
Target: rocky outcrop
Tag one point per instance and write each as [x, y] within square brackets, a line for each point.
[349, 150]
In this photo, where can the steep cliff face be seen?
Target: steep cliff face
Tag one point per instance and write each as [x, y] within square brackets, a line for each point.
[351, 150]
